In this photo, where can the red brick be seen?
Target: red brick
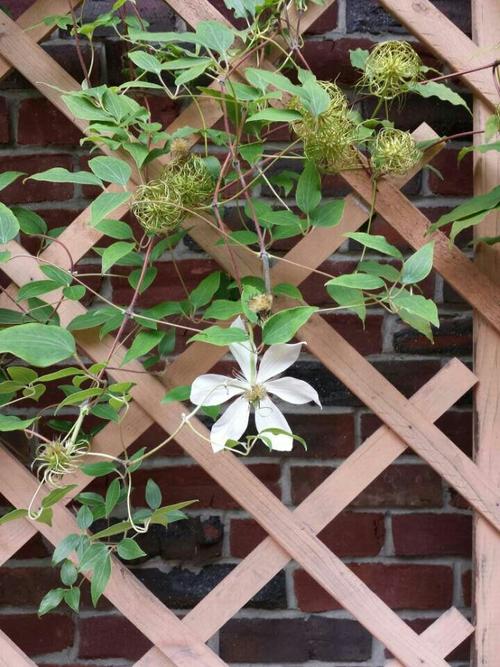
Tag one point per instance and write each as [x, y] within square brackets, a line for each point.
[37, 636]
[26, 585]
[462, 652]
[457, 177]
[397, 486]
[330, 59]
[453, 337]
[35, 191]
[40, 123]
[327, 435]
[467, 588]
[399, 586]
[103, 637]
[192, 482]
[349, 534]
[36, 547]
[328, 20]
[432, 535]
[457, 425]
[366, 338]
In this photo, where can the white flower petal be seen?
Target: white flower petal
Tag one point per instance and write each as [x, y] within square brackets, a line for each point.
[277, 359]
[293, 390]
[267, 415]
[213, 389]
[231, 425]
[245, 354]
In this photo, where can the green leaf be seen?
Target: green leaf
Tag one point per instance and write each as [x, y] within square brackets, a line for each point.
[222, 309]
[56, 495]
[84, 517]
[13, 423]
[22, 374]
[186, 63]
[36, 288]
[8, 177]
[13, 515]
[128, 549]
[215, 36]
[153, 494]
[100, 578]
[143, 343]
[240, 237]
[419, 265]
[375, 242]
[29, 221]
[92, 319]
[261, 79]
[191, 74]
[358, 58]
[116, 229]
[75, 292]
[465, 223]
[180, 393]
[106, 203]
[50, 601]
[360, 281]
[99, 469]
[308, 194]
[72, 597]
[9, 226]
[481, 148]
[145, 61]
[244, 8]
[114, 529]
[111, 169]
[8, 316]
[275, 116]
[435, 89]
[288, 290]
[114, 253]
[61, 175]
[416, 304]
[385, 271]
[112, 496]
[79, 397]
[83, 108]
[205, 290]
[282, 327]
[314, 97]
[350, 299]
[328, 214]
[487, 202]
[216, 335]
[38, 344]
[65, 547]
[57, 275]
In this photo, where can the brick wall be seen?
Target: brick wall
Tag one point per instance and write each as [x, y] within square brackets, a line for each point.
[407, 535]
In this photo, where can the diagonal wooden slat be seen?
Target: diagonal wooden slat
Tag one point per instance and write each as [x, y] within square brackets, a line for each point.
[449, 43]
[324, 503]
[294, 536]
[31, 20]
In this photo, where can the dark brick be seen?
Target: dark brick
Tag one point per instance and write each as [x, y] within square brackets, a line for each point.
[369, 16]
[462, 652]
[467, 588]
[35, 191]
[336, 58]
[37, 636]
[399, 586]
[457, 176]
[4, 122]
[454, 337]
[182, 588]
[326, 22]
[192, 482]
[26, 585]
[295, 640]
[195, 539]
[103, 637]
[40, 123]
[432, 535]
[327, 436]
[458, 427]
[397, 486]
[159, 15]
[349, 534]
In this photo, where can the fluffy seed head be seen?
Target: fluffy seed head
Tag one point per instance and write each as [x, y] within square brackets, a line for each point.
[261, 303]
[394, 152]
[390, 68]
[56, 459]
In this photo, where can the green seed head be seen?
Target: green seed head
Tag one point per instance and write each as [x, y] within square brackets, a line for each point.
[394, 152]
[390, 68]
[330, 137]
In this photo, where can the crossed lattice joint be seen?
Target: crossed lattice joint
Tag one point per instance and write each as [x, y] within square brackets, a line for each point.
[291, 535]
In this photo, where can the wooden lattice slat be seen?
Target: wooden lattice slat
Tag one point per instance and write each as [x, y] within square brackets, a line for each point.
[290, 535]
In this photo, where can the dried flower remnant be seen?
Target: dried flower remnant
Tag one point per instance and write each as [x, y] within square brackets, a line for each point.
[58, 458]
[390, 68]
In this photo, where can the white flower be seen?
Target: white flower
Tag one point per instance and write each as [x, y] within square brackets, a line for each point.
[252, 387]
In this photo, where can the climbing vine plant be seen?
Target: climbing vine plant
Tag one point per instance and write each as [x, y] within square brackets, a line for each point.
[327, 134]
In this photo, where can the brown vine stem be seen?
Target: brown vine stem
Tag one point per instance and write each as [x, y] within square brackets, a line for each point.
[453, 75]
[78, 45]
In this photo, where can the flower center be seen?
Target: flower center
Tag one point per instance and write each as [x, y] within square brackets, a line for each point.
[256, 393]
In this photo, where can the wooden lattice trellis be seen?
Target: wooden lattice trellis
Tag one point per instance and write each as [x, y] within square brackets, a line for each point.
[291, 535]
